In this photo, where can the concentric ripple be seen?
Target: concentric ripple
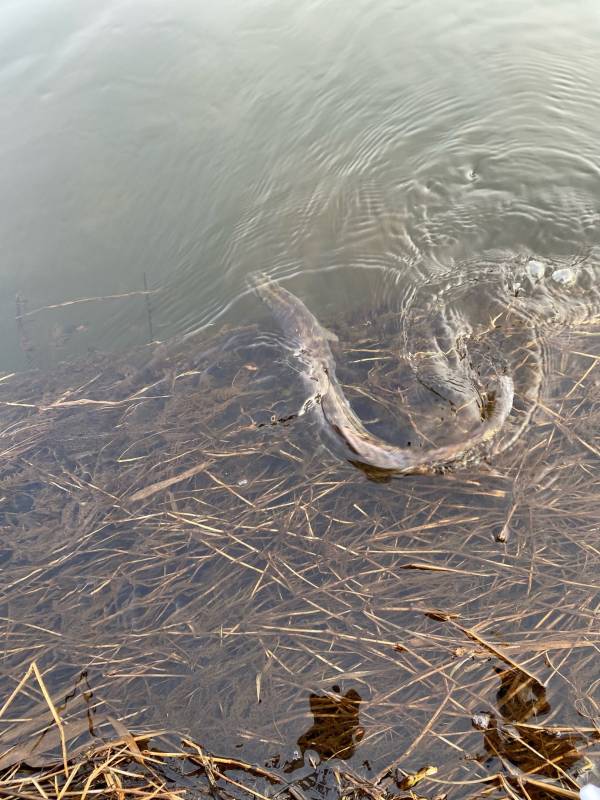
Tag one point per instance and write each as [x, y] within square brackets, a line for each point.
[496, 315]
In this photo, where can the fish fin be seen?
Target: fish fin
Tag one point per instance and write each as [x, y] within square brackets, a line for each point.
[330, 335]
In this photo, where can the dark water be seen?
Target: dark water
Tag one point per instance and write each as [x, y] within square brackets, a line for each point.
[398, 165]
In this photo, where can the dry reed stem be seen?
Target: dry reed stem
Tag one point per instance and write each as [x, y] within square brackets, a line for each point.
[144, 292]
[258, 559]
[33, 669]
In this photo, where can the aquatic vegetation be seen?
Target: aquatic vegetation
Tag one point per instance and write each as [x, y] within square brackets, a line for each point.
[181, 552]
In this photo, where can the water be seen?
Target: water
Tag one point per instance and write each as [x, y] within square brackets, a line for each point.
[411, 171]
[220, 575]
[330, 141]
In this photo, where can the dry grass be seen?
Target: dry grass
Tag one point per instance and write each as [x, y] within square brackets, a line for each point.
[56, 754]
[217, 572]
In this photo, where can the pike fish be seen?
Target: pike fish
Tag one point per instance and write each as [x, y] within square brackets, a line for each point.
[312, 348]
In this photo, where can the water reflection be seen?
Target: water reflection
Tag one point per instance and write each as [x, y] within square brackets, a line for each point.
[172, 142]
[520, 697]
[532, 748]
[336, 730]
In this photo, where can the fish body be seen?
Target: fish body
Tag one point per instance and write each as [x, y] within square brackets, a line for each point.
[303, 331]
[312, 343]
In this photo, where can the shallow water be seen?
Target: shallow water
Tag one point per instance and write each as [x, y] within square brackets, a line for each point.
[173, 528]
[419, 174]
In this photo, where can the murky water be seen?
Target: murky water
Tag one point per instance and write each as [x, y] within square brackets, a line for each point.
[331, 141]
[420, 174]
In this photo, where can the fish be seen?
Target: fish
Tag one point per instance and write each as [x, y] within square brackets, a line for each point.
[312, 343]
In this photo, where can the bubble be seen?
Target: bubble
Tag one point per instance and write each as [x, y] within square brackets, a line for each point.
[536, 269]
[564, 277]
[589, 792]
[482, 721]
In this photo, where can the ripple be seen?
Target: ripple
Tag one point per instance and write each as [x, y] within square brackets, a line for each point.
[493, 315]
[473, 136]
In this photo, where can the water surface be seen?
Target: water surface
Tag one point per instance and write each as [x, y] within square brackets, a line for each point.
[398, 166]
[331, 141]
